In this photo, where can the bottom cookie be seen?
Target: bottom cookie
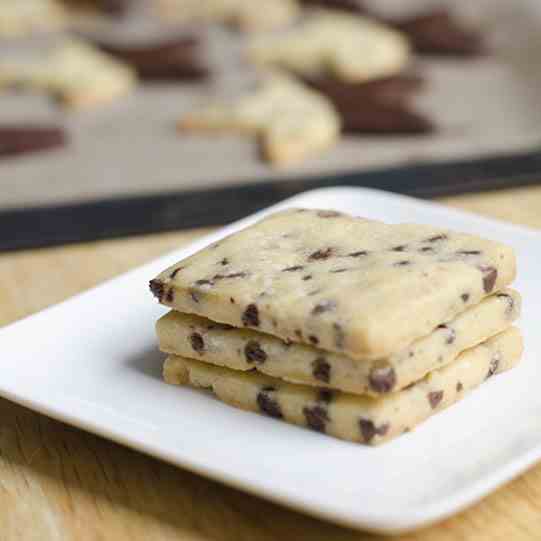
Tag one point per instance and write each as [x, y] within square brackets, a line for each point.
[345, 416]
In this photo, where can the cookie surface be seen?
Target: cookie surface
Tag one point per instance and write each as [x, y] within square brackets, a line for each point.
[362, 288]
[345, 416]
[348, 47]
[73, 72]
[242, 349]
[292, 120]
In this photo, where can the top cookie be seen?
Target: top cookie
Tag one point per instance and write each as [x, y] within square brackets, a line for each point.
[348, 47]
[345, 284]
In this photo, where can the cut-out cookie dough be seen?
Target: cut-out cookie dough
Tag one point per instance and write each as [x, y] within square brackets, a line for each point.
[291, 120]
[244, 14]
[348, 47]
[75, 73]
[21, 17]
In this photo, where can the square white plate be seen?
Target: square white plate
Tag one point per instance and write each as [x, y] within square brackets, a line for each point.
[92, 361]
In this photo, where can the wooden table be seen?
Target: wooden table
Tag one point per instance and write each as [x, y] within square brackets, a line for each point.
[59, 483]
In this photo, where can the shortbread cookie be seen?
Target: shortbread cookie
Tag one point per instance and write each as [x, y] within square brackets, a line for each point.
[242, 349]
[359, 287]
[292, 120]
[19, 17]
[74, 72]
[244, 14]
[348, 47]
[347, 416]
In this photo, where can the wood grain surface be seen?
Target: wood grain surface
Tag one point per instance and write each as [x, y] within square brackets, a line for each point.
[59, 483]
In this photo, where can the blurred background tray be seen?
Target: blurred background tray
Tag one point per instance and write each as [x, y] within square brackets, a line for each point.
[127, 171]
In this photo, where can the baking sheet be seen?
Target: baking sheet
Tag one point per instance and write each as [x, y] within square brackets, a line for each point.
[482, 106]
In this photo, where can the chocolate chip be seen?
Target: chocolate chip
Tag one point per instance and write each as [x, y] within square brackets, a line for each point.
[321, 369]
[175, 272]
[339, 336]
[468, 252]
[323, 306]
[254, 353]
[197, 342]
[224, 261]
[250, 317]
[293, 269]
[451, 333]
[220, 327]
[459, 386]
[231, 300]
[427, 249]
[434, 398]
[328, 214]
[218, 277]
[203, 282]
[336, 271]
[494, 364]
[400, 248]
[157, 288]
[325, 395]
[382, 378]
[403, 263]
[170, 295]
[316, 417]
[490, 275]
[360, 253]
[267, 404]
[369, 430]
[298, 334]
[465, 297]
[307, 277]
[313, 339]
[322, 254]
[437, 238]
[510, 303]
[411, 354]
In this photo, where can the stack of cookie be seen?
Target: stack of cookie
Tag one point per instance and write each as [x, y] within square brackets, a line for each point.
[351, 327]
